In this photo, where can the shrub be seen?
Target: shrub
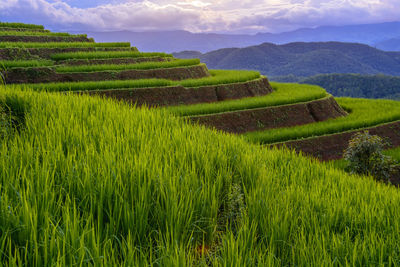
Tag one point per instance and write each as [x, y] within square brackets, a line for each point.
[364, 156]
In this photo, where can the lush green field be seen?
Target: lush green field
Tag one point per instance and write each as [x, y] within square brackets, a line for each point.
[106, 55]
[283, 94]
[60, 44]
[40, 33]
[6, 64]
[218, 77]
[363, 113]
[94, 182]
[136, 66]
[20, 25]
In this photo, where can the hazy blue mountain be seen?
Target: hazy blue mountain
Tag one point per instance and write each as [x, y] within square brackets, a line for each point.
[389, 45]
[172, 41]
[303, 59]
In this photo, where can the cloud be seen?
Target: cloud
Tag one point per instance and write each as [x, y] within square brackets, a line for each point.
[198, 15]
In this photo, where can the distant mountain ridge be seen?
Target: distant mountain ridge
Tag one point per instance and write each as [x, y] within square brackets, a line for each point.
[303, 59]
[171, 41]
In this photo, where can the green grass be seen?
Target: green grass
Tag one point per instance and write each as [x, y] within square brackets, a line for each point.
[394, 153]
[218, 77]
[94, 182]
[38, 33]
[222, 77]
[106, 55]
[136, 66]
[363, 113]
[283, 94]
[60, 44]
[20, 25]
[6, 64]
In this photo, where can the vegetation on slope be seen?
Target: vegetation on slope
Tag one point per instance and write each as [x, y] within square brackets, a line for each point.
[136, 66]
[60, 44]
[106, 55]
[305, 59]
[217, 77]
[357, 85]
[283, 94]
[20, 25]
[40, 33]
[95, 182]
[363, 113]
[8, 64]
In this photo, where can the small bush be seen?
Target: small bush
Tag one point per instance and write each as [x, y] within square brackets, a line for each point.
[364, 156]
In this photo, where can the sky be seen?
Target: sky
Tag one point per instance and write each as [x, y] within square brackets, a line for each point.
[221, 16]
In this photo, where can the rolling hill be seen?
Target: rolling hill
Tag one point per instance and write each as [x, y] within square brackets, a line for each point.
[303, 59]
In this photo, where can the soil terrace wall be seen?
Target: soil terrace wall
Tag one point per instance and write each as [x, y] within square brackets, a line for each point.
[46, 75]
[43, 39]
[272, 117]
[330, 147]
[45, 53]
[179, 95]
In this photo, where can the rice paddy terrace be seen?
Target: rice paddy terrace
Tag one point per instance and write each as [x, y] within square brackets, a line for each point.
[244, 102]
[212, 201]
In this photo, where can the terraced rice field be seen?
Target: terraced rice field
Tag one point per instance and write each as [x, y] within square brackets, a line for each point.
[92, 181]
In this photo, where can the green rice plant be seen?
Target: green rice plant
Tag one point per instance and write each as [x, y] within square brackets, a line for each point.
[98, 85]
[222, 77]
[136, 66]
[394, 153]
[60, 44]
[7, 64]
[283, 94]
[95, 182]
[362, 113]
[218, 77]
[39, 33]
[106, 55]
[20, 25]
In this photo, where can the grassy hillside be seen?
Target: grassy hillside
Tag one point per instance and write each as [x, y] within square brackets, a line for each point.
[94, 182]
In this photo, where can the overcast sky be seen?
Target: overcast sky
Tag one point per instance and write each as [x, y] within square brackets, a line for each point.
[237, 16]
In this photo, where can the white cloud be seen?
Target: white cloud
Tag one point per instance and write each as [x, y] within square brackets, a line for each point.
[200, 15]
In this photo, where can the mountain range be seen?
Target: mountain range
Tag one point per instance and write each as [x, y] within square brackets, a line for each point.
[384, 36]
[302, 59]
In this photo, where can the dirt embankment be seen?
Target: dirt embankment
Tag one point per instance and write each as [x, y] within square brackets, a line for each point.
[272, 117]
[331, 147]
[45, 53]
[43, 39]
[48, 74]
[179, 95]
[117, 61]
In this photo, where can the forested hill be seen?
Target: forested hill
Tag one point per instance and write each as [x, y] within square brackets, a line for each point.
[356, 85]
[303, 59]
